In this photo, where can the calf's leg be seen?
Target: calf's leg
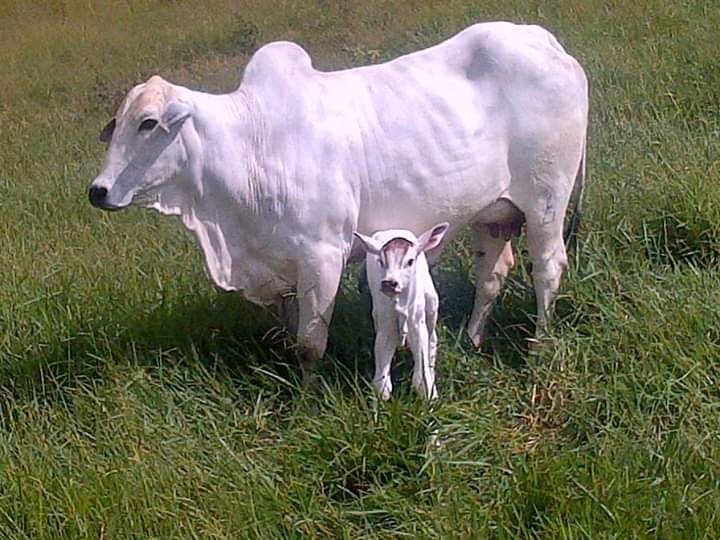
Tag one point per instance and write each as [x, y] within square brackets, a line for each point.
[386, 342]
[423, 377]
[431, 315]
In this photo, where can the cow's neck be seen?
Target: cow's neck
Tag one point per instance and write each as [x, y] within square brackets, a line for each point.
[224, 199]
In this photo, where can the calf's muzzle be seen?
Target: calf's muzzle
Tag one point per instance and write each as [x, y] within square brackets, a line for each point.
[389, 286]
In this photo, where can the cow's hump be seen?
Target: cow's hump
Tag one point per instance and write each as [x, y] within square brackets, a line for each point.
[277, 60]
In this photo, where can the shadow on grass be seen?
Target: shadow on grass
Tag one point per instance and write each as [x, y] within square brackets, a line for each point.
[511, 323]
[219, 331]
[245, 343]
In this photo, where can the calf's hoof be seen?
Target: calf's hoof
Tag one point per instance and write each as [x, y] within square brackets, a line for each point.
[539, 343]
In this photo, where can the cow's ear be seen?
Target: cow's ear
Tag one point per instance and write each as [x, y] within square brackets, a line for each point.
[175, 112]
[107, 132]
[370, 245]
[431, 238]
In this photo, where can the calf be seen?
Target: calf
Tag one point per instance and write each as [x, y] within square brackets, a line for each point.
[405, 303]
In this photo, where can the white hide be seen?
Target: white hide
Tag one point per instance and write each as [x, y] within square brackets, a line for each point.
[274, 178]
[407, 312]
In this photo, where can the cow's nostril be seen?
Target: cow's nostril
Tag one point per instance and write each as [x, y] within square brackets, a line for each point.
[97, 196]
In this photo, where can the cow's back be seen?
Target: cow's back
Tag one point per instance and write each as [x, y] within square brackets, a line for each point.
[432, 130]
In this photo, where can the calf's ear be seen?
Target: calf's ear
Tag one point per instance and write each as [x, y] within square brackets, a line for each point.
[107, 132]
[370, 245]
[175, 112]
[432, 237]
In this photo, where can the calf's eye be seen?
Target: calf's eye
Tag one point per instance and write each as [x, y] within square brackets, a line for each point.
[410, 262]
[148, 124]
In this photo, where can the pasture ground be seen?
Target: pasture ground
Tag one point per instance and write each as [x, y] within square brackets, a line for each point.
[138, 402]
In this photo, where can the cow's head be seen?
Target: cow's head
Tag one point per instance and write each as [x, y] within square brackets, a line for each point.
[396, 256]
[145, 150]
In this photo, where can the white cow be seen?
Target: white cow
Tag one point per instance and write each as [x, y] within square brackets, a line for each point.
[405, 303]
[485, 129]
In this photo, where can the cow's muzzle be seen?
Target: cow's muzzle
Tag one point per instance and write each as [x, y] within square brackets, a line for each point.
[98, 198]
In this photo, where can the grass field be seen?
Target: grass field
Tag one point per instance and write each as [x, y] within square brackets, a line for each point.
[138, 402]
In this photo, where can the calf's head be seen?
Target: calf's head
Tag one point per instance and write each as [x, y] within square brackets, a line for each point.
[395, 253]
[145, 150]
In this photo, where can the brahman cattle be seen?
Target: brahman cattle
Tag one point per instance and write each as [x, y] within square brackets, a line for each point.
[486, 130]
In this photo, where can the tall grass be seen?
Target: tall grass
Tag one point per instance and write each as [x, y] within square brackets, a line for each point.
[138, 402]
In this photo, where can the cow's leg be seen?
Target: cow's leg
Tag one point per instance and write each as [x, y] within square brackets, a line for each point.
[493, 261]
[546, 248]
[318, 285]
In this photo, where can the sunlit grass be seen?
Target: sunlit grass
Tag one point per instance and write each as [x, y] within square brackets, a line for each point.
[138, 402]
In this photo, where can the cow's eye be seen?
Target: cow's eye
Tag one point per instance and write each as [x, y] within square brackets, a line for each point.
[410, 262]
[380, 262]
[148, 124]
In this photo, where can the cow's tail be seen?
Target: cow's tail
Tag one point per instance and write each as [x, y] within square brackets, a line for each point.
[572, 224]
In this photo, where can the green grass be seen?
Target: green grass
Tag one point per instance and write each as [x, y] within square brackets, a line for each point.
[138, 402]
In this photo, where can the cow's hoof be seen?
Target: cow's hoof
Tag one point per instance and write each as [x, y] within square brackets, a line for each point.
[310, 379]
[308, 359]
[477, 338]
